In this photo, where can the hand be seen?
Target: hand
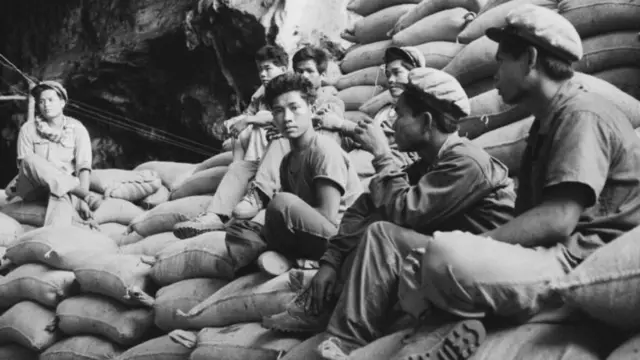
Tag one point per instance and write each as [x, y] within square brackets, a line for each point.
[227, 145]
[372, 138]
[321, 289]
[85, 211]
[93, 201]
[327, 120]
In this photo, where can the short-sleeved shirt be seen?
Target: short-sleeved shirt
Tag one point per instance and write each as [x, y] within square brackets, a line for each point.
[71, 154]
[257, 102]
[585, 139]
[322, 159]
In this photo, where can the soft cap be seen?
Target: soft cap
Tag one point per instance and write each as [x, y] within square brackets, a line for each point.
[443, 91]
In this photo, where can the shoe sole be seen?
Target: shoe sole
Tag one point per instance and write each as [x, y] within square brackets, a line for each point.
[459, 344]
[189, 232]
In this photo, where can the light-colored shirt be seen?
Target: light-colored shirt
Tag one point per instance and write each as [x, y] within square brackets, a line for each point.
[322, 159]
[71, 154]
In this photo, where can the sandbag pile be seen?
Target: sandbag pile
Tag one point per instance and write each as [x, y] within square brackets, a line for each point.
[609, 32]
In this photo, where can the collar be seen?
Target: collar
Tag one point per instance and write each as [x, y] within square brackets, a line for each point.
[452, 140]
[567, 91]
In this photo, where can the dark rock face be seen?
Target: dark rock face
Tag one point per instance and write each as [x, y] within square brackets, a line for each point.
[149, 78]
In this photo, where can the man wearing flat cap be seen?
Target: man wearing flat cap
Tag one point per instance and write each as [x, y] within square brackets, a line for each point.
[455, 185]
[579, 187]
[54, 158]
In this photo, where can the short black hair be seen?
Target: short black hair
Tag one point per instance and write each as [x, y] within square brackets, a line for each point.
[288, 82]
[416, 100]
[318, 55]
[552, 65]
[38, 90]
[273, 53]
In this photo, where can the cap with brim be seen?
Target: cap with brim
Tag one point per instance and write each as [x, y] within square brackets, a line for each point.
[50, 85]
[497, 34]
[410, 55]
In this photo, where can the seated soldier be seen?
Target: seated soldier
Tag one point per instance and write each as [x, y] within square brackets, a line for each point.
[399, 61]
[54, 158]
[455, 185]
[318, 182]
[250, 129]
[312, 63]
[579, 189]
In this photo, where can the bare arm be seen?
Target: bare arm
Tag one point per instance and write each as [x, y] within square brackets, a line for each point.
[328, 194]
[549, 223]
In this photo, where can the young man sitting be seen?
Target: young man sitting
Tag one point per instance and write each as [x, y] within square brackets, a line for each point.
[249, 147]
[311, 63]
[455, 185]
[318, 182]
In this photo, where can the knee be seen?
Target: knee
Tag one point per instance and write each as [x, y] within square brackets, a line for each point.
[376, 234]
[445, 256]
[281, 202]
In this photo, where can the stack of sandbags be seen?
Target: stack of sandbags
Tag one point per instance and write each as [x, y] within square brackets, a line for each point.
[41, 281]
[609, 32]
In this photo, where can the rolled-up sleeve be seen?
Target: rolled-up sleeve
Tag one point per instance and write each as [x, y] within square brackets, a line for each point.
[439, 193]
[83, 155]
[25, 142]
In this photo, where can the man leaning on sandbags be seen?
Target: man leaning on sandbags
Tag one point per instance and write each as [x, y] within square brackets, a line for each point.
[579, 187]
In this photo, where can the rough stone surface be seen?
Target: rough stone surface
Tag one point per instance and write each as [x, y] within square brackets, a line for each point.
[180, 66]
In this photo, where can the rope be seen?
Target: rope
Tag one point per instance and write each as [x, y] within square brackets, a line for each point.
[119, 121]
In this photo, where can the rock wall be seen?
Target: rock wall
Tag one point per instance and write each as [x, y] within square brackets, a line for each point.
[152, 78]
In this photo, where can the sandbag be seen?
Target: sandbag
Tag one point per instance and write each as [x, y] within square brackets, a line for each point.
[241, 342]
[356, 96]
[118, 276]
[180, 296]
[201, 183]
[370, 76]
[430, 7]
[82, 348]
[441, 26]
[160, 196]
[364, 56]
[489, 102]
[163, 217]
[29, 325]
[10, 230]
[247, 299]
[205, 255]
[15, 352]
[376, 26]
[507, 144]
[114, 231]
[478, 87]
[531, 342]
[307, 349]
[35, 282]
[116, 210]
[221, 159]
[63, 247]
[171, 173]
[26, 228]
[26, 212]
[628, 350]
[626, 79]
[438, 54]
[367, 7]
[477, 125]
[496, 17]
[100, 316]
[475, 62]
[376, 103]
[129, 238]
[608, 51]
[125, 184]
[604, 284]
[151, 245]
[5, 264]
[591, 17]
[161, 348]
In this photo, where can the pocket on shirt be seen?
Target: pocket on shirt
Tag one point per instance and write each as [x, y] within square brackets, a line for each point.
[64, 152]
[41, 148]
